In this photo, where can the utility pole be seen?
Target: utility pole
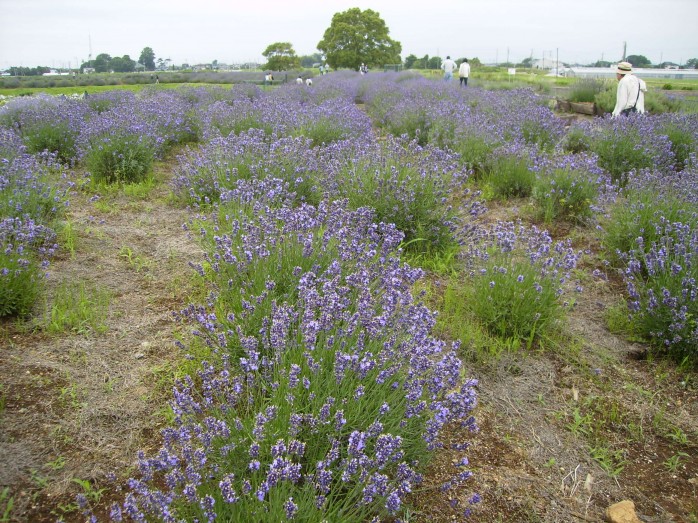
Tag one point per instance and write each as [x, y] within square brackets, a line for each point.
[557, 63]
[625, 46]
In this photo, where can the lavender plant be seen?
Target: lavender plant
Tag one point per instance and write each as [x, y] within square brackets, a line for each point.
[519, 278]
[642, 214]
[46, 123]
[406, 185]
[31, 198]
[509, 173]
[571, 188]
[221, 118]
[202, 176]
[682, 132]
[624, 145]
[125, 158]
[30, 185]
[663, 293]
[25, 248]
[330, 409]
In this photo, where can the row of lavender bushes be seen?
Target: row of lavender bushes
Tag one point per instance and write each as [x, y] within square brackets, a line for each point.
[33, 197]
[634, 178]
[323, 393]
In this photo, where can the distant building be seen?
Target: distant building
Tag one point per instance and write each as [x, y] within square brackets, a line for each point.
[547, 63]
[610, 72]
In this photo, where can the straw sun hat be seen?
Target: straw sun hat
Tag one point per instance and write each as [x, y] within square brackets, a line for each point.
[624, 68]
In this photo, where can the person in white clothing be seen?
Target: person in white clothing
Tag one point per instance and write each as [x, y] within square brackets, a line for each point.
[448, 67]
[308, 81]
[299, 80]
[464, 72]
[630, 95]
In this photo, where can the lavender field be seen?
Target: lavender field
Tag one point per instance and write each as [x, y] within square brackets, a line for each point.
[376, 298]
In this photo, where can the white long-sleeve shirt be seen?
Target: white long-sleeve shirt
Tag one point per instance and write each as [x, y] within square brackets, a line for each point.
[631, 92]
[448, 65]
[464, 70]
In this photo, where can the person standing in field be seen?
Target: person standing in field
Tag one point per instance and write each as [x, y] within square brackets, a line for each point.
[464, 72]
[299, 80]
[630, 95]
[448, 67]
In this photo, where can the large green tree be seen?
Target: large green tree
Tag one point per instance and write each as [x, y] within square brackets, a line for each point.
[410, 61]
[280, 57]
[122, 64]
[101, 63]
[355, 37]
[311, 59]
[147, 58]
[638, 60]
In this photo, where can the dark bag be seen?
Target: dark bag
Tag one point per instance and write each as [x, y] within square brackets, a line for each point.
[631, 110]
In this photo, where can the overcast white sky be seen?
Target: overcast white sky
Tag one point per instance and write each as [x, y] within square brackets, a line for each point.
[58, 33]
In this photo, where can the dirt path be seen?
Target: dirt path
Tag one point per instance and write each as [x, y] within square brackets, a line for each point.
[79, 406]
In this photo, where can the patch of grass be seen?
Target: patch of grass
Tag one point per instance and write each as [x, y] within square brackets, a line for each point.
[67, 237]
[618, 320]
[611, 461]
[140, 190]
[70, 396]
[579, 425]
[673, 463]
[56, 464]
[92, 494]
[136, 262]
[7, 503]
[77, 307]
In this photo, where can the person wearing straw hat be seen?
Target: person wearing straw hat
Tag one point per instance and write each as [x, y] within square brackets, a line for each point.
[630, 95]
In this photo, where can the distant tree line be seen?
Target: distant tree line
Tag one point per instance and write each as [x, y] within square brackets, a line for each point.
[105, 63]
[28, 71]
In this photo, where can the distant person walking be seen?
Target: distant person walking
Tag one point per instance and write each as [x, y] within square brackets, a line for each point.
[308, 82]
[464, 72]
[448, 67]
[299, 80]
[630, 95]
